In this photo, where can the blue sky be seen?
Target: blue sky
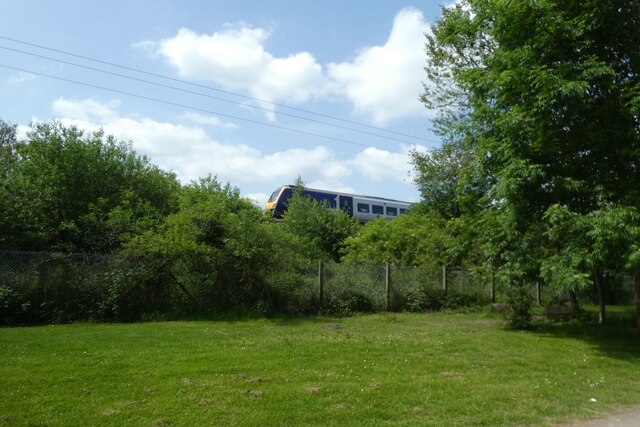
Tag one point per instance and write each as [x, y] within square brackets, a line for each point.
[357, 64]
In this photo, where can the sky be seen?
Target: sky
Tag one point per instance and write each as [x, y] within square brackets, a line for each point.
[256, 93]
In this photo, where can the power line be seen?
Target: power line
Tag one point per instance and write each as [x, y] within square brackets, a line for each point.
[214, 89]
[204, 95]
[175, 104]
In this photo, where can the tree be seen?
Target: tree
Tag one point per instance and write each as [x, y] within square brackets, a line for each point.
[8, 159]
[438, 174]
[412, 239]
[323, 230]
[213, 255]
[77, 192]
[547, 94]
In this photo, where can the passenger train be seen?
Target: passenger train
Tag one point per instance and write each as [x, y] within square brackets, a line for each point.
[363, 208]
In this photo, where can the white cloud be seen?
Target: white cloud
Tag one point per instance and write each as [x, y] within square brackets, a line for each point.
[384, 82]
[236, 58]
[21, 77]
[87, 109]
[379, 165]
[259, 199]
[213, 121]
[192, 153]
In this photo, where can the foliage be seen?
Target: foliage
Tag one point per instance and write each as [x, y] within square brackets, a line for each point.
[544, 97]
[410, 239]
[216, 251]
[73, 192]
[322, 229]
[438, 175]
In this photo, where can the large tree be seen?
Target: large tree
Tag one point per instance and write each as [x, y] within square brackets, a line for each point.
[73, 191]
[547, 93]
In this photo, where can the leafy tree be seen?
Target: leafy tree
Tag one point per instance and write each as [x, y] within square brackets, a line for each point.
[8, 159]
[547, 94]
[323, 230]
[410, 239]
[214, 254]
[77, 192]
[438, 176]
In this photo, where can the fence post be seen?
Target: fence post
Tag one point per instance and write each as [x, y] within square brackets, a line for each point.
[538, 293]
[387, 285]
[444, 279]
[321, 283]
[493, 290]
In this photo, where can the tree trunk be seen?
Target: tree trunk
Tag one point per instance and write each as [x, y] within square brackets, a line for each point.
[573, 299]
[636, 283]
[597, 276]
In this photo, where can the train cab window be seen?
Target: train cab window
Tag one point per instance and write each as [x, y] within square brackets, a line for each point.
[377, 209]
[392, 211]
[274, 195]
[363, 207]
[402, 211]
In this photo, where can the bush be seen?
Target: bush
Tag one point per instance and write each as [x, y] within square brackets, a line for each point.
[520, 300]
[348, 303]
[436, 299]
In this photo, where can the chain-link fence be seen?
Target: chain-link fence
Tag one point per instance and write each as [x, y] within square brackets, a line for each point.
[369, 288]
[49, 287]
[39, 287]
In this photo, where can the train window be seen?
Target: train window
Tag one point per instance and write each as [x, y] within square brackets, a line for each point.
[377, 209]
[392, 211]
[402, 211]
[363, 207]
[274, 195]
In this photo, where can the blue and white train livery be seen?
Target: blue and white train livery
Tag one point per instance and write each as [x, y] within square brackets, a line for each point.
[363, 208]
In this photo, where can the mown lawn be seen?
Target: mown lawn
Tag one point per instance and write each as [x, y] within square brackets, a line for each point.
[400, 369]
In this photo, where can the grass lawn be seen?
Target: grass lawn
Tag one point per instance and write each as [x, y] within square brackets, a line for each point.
[400, 369]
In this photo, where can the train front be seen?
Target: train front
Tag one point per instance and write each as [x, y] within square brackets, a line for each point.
[272, 203]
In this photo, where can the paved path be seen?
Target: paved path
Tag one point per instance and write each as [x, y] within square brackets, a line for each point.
[625, 418]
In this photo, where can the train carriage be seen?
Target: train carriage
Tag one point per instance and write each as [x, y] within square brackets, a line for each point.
[363, 208]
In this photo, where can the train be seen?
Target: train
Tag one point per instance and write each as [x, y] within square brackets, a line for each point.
[363, 208]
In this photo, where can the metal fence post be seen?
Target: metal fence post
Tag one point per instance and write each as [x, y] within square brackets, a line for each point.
[321, 283]
[493, 290]
[444, 278]
[387, 285]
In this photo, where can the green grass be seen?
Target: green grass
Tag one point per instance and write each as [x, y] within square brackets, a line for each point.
[400, 369]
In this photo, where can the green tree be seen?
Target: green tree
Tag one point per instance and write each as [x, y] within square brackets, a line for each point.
[411, 239]
[323, 230]
[77, 192]
[214, 255]
[8, 159]
[547, 93]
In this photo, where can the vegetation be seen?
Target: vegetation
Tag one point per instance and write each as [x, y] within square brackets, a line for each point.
[538, 107]
[324, 230]
[62, 190]
[537, 181]
[439, 369]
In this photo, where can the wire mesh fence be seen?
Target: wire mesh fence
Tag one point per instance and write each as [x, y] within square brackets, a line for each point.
[40, 287]
[49, 287]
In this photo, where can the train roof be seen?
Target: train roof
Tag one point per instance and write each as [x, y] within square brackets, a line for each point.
[351, 195]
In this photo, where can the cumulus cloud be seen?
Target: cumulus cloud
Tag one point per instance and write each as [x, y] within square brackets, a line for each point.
[384, 82]
[379, 165]
[207, 120]
[87, 109]
[236, 58]
[191, 152]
